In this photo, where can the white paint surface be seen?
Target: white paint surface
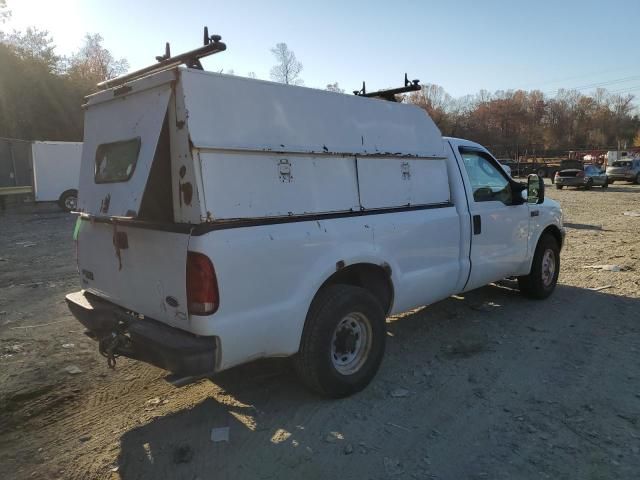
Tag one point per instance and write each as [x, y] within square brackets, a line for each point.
[56, 169]
[113, 119]
[259, 149]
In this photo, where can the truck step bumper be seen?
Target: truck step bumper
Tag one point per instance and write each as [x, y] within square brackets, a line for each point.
[147, 340]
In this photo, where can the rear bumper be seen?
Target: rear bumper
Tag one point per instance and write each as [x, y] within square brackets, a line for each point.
[621, 177]
[571, 181]
[146, 340]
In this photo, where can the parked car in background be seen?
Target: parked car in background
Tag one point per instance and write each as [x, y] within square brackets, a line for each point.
[627, 170]
[565, 165]
[587, 177]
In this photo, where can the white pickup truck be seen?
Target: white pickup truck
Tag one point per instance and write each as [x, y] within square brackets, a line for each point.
[225, 219]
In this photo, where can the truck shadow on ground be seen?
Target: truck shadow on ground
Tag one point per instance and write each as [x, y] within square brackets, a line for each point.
[623, 188]
[585, 226]
[454, 372]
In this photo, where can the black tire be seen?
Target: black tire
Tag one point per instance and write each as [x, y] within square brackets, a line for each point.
[637, 181]
[605, 184]
[541, 173]
[316, 362]
[589, 185]
[534, 285]
[611, 182]
[68, 201]
[559, 187]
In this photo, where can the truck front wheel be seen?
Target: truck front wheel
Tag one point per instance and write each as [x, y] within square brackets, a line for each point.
[343, 341]
[543, 277]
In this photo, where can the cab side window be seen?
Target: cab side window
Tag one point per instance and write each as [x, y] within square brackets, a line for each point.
[487, 182]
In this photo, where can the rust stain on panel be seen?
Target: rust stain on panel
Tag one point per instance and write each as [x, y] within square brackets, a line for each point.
[186, 193]
[104, 205]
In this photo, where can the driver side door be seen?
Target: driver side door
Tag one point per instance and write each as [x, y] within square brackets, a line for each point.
[500, 220]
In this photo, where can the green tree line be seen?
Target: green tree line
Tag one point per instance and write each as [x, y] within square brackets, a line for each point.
[41, 93]
[528, 122]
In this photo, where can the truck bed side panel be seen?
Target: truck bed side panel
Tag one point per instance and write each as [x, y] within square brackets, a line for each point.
[265, 292]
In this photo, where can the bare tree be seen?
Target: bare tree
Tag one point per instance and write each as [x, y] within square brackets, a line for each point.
[287, 69]
[94, 63]
[334, 87]
[251, 75]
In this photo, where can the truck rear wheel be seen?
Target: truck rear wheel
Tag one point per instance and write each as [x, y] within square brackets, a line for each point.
[559, 187]
[68, 200]
[542, 280]
[342, 342]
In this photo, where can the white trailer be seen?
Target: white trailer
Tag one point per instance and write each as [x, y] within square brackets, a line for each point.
[56, 172]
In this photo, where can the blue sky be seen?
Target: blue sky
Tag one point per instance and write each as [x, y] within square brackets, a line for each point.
[463, 46]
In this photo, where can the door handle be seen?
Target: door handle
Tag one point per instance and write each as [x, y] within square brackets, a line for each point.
[477, 225]
[535, 213]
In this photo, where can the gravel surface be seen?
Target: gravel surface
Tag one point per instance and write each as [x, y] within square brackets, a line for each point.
[486, 385]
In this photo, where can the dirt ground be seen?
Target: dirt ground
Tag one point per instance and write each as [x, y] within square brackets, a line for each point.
[482, 386]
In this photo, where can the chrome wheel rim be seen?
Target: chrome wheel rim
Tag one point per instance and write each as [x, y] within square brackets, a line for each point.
[70, 203]
[548, 267]
[351, 343]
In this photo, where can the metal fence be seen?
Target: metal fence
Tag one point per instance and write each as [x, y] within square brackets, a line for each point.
[15, 163]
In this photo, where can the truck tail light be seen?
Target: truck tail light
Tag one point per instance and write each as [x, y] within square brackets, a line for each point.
[580, 174]
[202, 285]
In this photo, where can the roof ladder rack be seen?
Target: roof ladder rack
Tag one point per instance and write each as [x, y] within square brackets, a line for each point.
[409, 86]
[191, 59]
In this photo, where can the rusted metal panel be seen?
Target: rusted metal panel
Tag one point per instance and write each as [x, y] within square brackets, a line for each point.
[137, 116]
[15, 163]
[136, 268]
[187, 205]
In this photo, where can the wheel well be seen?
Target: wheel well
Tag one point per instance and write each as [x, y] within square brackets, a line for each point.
[555, 233]
[374, 278]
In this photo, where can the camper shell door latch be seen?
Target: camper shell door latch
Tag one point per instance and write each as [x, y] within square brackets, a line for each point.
[284, 171]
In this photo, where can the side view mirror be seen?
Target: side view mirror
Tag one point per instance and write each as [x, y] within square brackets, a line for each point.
[535, 189]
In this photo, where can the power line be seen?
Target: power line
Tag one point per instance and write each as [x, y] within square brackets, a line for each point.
[562, 80]
[627, 89]
[595, 85]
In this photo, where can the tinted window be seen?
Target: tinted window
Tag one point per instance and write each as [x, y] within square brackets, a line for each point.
[488, 183]
[115, 162]
[621, 164]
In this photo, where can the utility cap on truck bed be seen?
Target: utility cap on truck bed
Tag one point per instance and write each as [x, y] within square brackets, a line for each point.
[178, 145]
